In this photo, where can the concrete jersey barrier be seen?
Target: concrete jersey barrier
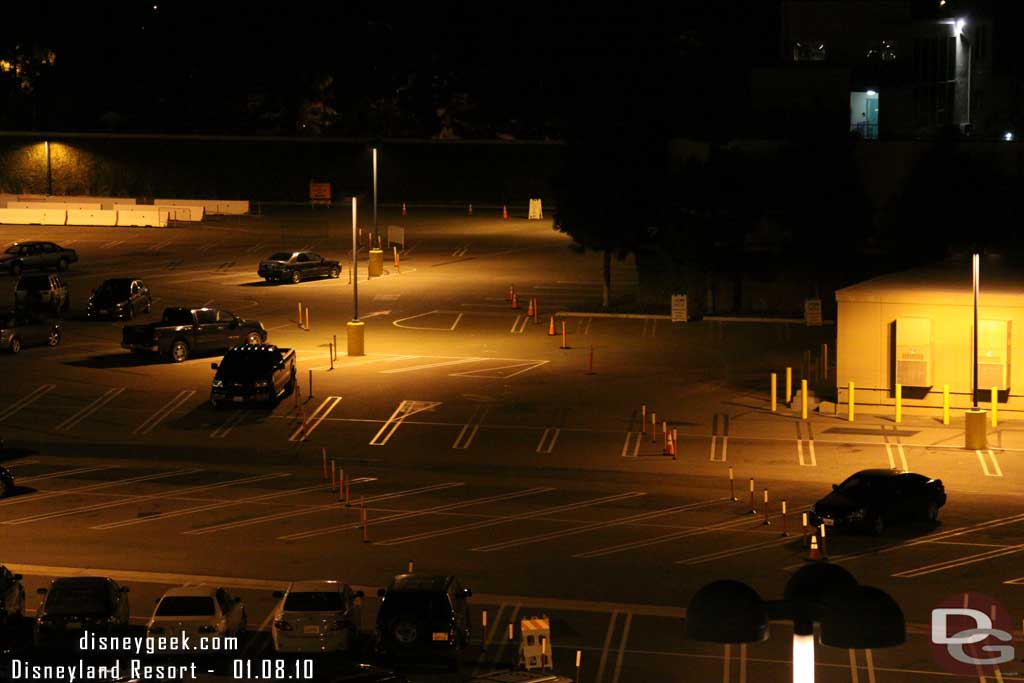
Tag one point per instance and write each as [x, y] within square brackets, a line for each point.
[212, 206]
[67, 206]
[140, 216]
[92, 217]
[34, 216]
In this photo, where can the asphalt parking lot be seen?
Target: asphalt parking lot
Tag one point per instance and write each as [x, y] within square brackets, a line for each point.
[477, 447]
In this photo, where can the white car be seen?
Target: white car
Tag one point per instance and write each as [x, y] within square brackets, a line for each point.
[12, 596]
[317, 616]
[199, 612]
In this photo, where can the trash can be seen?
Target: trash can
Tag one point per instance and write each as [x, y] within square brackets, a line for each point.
[376, 262]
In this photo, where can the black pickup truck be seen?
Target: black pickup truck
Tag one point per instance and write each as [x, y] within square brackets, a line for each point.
[182, 332]
[253, 372]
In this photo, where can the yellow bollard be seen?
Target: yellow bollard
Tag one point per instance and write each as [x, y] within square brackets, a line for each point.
[803, 399]
[789, 386]
[298, 320]
[307, 318]
[775, 389]
[945, 404]
[899, 403]
[995, 407]
[850, 402]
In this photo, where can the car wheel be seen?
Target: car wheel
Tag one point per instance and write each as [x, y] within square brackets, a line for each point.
[54, 337]
[296, 277]
[335, 272]
[253, 338]
[15, 346]
[405, 632]
[62, 265]
[289, 388]
[932, 513]
[179, 351]
[878, 525]
[15, 269]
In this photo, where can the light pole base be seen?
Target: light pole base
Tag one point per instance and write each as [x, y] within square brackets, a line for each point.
[976, 429]
[376, 266]
[356, 332]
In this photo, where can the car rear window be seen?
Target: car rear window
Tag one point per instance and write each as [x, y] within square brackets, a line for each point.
[429, 605]
[177, 316]
[185, 606]
[78, 598]
[319, 601]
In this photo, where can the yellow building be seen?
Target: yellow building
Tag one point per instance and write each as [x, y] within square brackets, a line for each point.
[915, 328]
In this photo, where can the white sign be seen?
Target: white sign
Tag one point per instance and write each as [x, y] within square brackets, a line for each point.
[536, 211]
[396, 235]
[812, 312]
[679, 313]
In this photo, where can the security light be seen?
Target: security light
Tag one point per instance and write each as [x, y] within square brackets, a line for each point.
[872, 93]
[1008, 136]
[960, 23]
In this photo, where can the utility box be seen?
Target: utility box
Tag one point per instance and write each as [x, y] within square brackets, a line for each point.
[535, 643]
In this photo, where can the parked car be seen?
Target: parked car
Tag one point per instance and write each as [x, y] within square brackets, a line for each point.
[317, 616]
[18, 330]
[871, 500]
[42, 293]
[182, 332]
[198, 612]
[74, 604]
[253, 372]
[12, 597]
[25, 255]
[425, 619]
[119, 298]
[6, 482]
[297, 266]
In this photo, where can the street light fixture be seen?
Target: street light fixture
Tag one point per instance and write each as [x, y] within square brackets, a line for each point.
[850, 615]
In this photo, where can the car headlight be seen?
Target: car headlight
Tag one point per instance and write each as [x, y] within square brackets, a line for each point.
[261, 384]
[218, 384]
[858, 514]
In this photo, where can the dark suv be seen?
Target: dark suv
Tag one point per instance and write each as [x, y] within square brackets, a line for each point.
[75, 604]
[42, 293]
[424, 619]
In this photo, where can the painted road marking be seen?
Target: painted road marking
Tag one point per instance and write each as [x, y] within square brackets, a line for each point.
[635, 437]
[427, 366]
[714, 457]
[287, 514]
[141, 498]
[548, 439]
[307, 426]
[622, 647]
[994, 470]
[607, 644]
[28, 400]
[519, 326]
[404, 410]
[584, 528]
[159, 245]
[893, 465]
[492, 372]
[732, 552]
[419, 513]
[461, 250]
[960, 562]
[455, 323]
[811, 459]
[470, 429]
[472, 526]
[111, 244]
[33, 497]
[160, 415]
[107, 396]
[650, 327]
[233, 421]
[254, 248]
[221, 505]
[65, 473]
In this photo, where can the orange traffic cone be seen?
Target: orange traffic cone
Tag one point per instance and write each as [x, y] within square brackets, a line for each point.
[403, 209]
[515, 300]
[815, 555]
[529, 309]
[551, 327]
[504, 212]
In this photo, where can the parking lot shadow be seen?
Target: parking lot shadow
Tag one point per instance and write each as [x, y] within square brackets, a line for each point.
[109, 361]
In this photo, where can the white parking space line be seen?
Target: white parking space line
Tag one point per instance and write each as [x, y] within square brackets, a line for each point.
[989, 464]
[34, 497]
[427, 366]
[233, 421]
[27, 400]
[584, 528]
[141, 498]
[287, 514]
[163, 412]
[65, 473]
[634, 439]
[405, 409]
[604, 649]
[720, 422]
[519, 326]
[893, 464]
[811, 459]
[732, 552]
[548, 439]
[493, 372]
[307, 425]
[111, 244]
[105, 398]
[254, 248]
[960, 562]
[622, 647]
[419, 513]
[483, 524]
[451, 328]
[470, 429]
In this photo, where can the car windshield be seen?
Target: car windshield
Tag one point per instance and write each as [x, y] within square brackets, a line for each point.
[859, 484]
[280, 256]
[248, 361]
[318, 601]
[13, 249]
[78, 598]
[114, 288]
[177, 316]
[430, 605]
[185, 606]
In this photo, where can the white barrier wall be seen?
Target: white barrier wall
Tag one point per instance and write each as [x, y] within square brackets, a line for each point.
[103, 202]
[92, 217]
[66, 206]
[34, 216]
[212, 206]
[143, 217]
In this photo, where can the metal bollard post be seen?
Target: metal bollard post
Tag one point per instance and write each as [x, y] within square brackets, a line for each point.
[774, 393]
[298, 320]
[311, 383]
[654, 426]
[330, 350]
[332, 474]
[753, 510]
[803, 399]
[850, 402]
[412, 567]
[335, 351]
[341, 484]
[483, 632]
[899, 403]
[785, 526]
[578, 653]
[366, 531]
[675, 442]
[643, 418]
[732, 486]
[995, 407]
[821, 536]
[945, 404]
[789, 387]
[323, 452]
[767, 522]
[804, 529]
[348, 491]
[307, 318]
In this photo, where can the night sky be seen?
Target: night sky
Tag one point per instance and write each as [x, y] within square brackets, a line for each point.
[481, 69]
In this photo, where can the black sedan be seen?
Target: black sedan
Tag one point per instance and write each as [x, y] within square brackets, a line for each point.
[24, 255]
[18, 330]
[72, 605]
[871, 500]
[120, 298]
[6, 482]
[297, 266]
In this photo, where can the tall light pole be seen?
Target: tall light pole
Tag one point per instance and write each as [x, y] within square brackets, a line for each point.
[355, 328]
[975, 432]
[975, 267]
[376, 234]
